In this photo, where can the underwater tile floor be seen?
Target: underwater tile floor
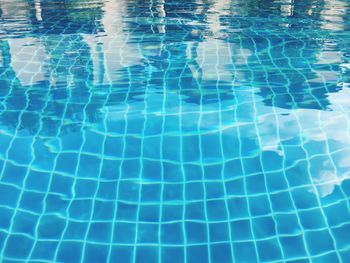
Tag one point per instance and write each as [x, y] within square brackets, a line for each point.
[174, 131]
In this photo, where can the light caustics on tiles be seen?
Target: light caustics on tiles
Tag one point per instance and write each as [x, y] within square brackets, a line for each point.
[168, 131]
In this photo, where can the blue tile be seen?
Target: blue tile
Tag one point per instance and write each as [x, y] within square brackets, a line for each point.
[5, 218]
[25, 223]
[195, 211]
[241, 230]
[341, 236]
[287, 224]
[13, 250]
[196, 232]
[147, 233]
[196, 252]
[38, 181]
[81, 209]
[14, 174]
[256, 184]
[282, 202]
[245, 252]
[259, 205]
[172, 233]
[337, 214]
[269, 250]
[146, 254]
[312, 219]
[173, 254]
[47, 231]
[304, 198]
[319, 241]
[172, 213]
[99, 232]
[216, 210]
[96, 253]
[12, 194]
[122, 254]
[219, 232]
[45, 250]
[221, 253]
[238, 207]
[293, 246]
[124, 233]
[264, 227]
[75, 230]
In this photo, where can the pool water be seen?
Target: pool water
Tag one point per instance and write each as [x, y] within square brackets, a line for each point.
[175, 131]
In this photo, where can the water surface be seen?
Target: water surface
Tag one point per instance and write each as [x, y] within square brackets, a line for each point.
[174, 131]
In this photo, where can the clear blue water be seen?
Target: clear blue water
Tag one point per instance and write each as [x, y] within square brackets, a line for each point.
[175, 131]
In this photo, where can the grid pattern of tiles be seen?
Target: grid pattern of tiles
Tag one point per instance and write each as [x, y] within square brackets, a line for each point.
[169, 131]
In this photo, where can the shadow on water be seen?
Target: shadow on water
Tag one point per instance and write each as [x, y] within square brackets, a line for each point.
[176, 48]
[293, 56]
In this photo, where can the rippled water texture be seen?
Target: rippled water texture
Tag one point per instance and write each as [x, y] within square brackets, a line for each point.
[175, 131]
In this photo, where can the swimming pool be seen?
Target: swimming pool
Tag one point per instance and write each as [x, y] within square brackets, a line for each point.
[174, 131]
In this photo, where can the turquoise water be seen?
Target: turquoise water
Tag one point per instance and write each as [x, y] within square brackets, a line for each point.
[174, 131]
